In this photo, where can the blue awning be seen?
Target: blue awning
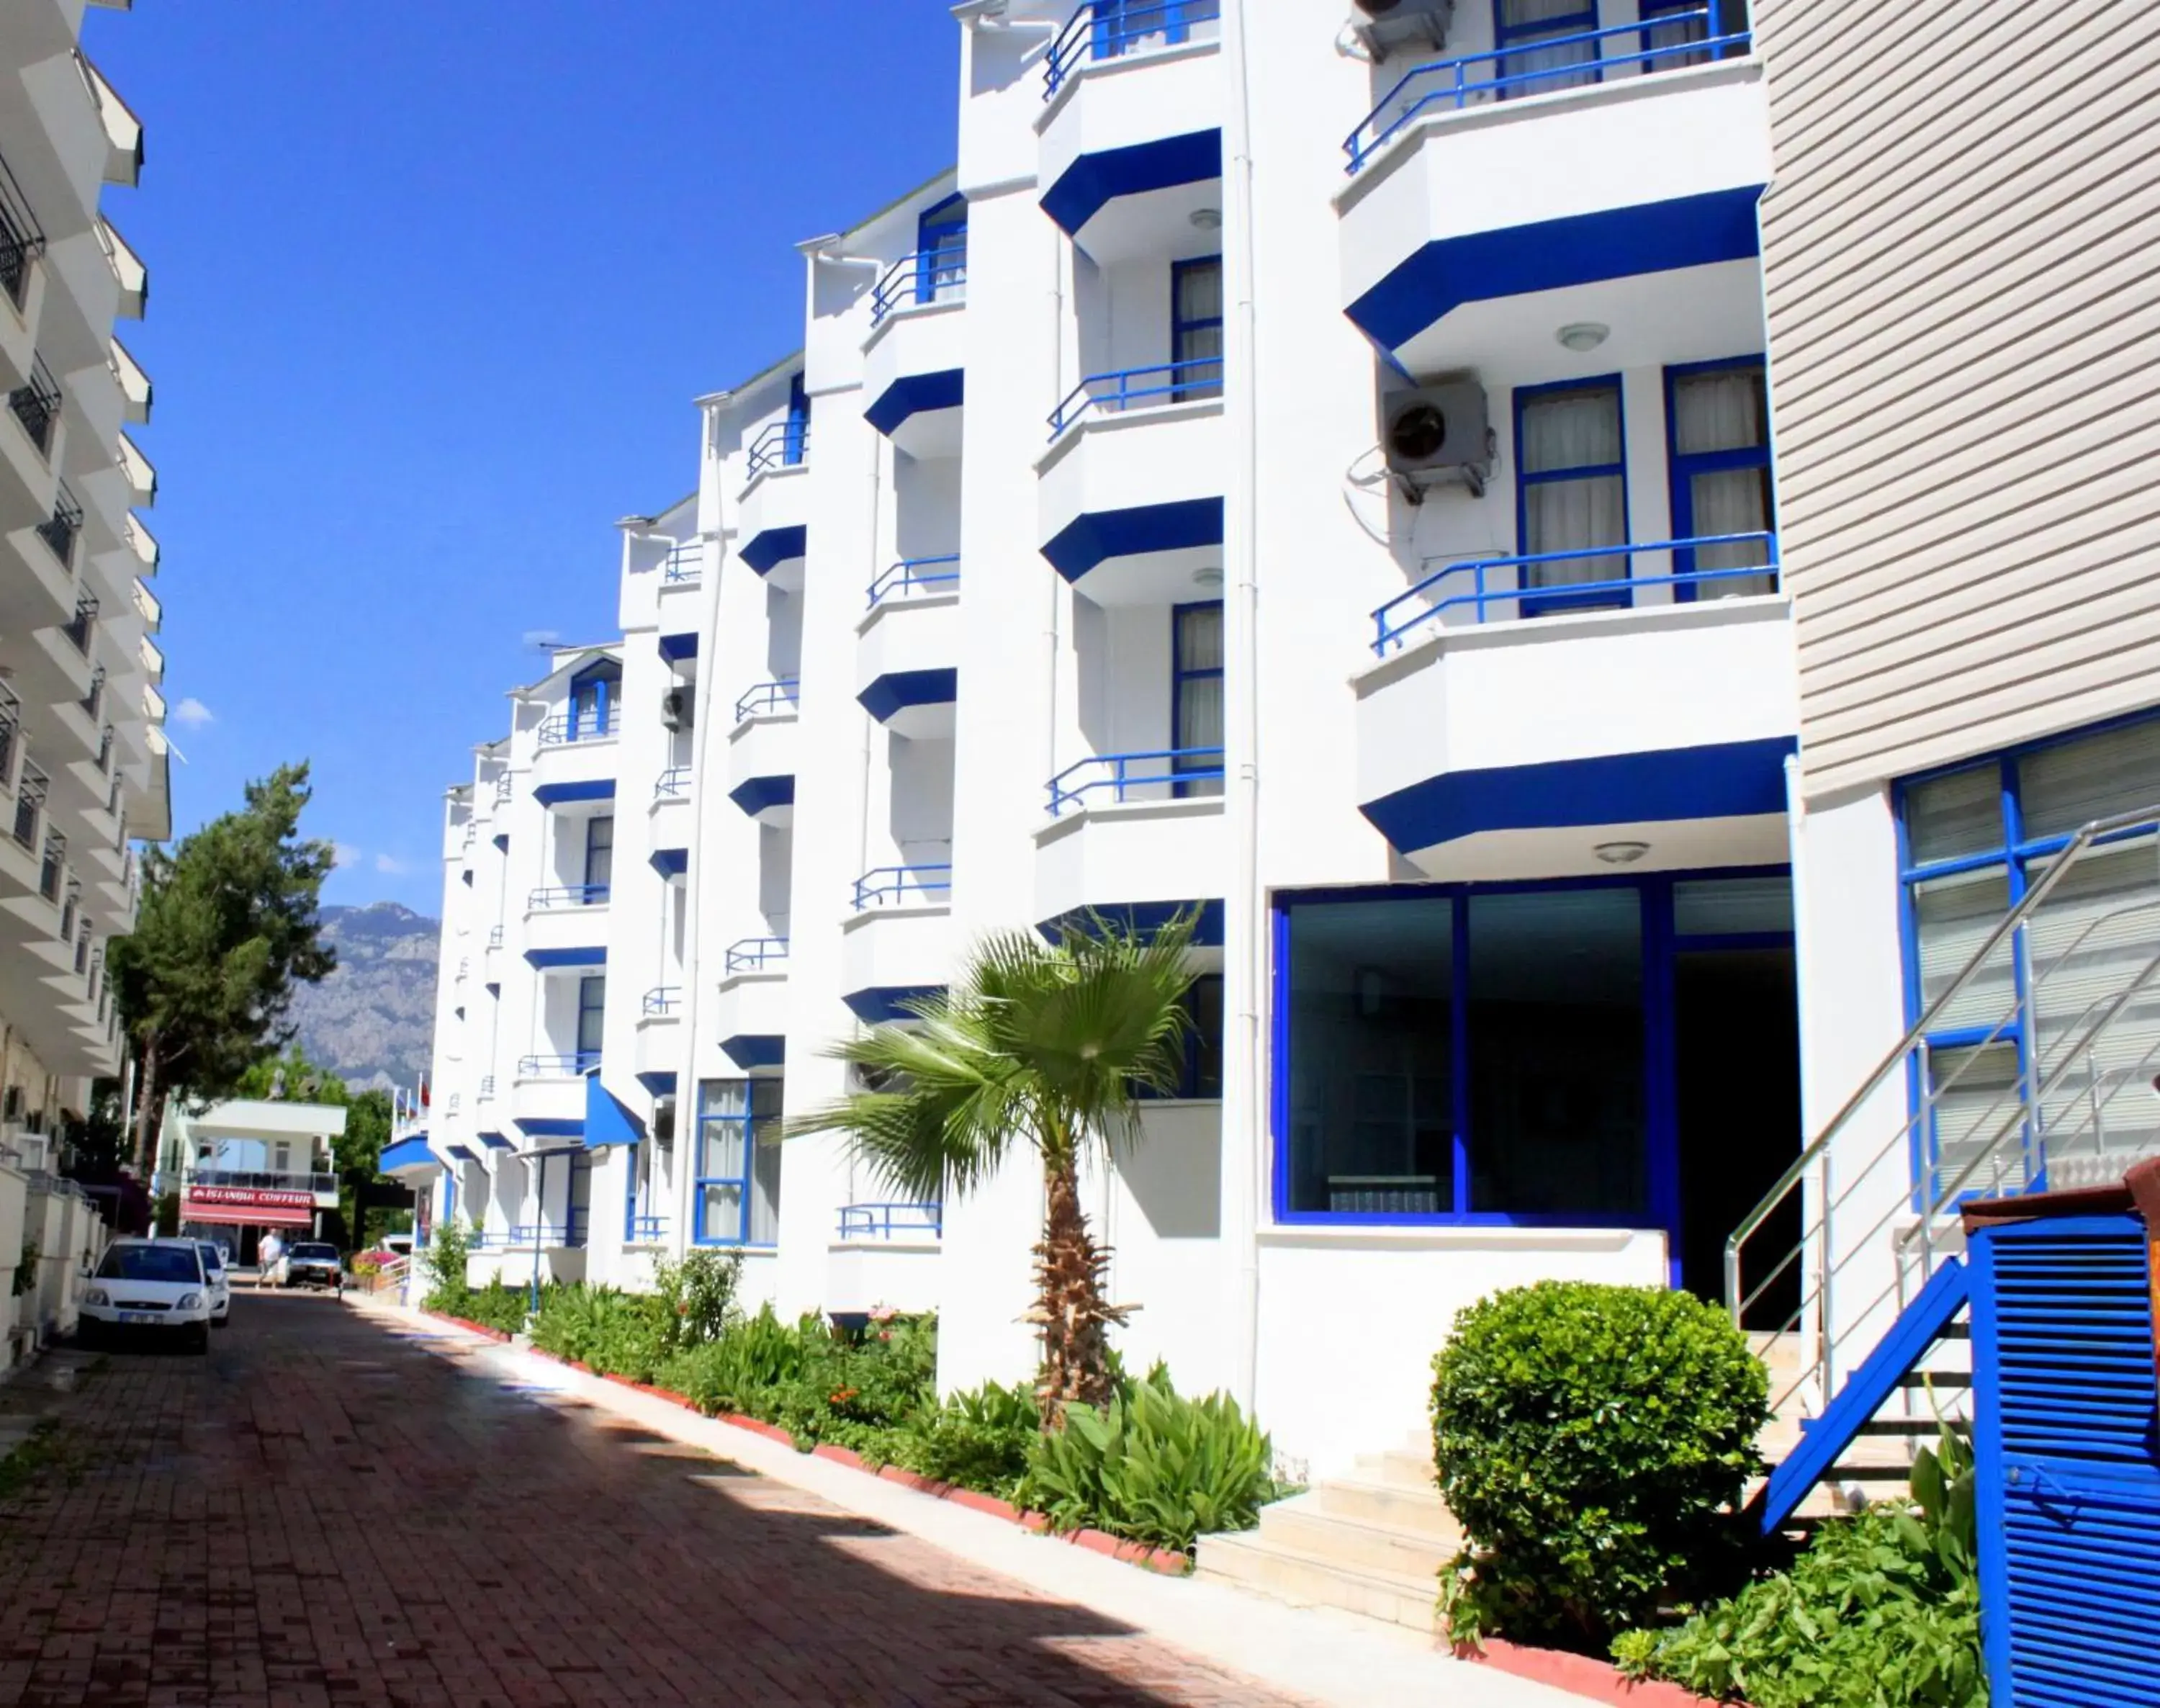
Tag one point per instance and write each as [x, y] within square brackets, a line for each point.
[463, 1152]
[408, 1153]
[496, 1141]
[608, 1119]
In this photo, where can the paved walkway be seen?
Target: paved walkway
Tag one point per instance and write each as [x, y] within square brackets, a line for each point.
[335, 1507]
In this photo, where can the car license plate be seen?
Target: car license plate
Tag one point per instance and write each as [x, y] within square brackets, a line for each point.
[140, 1316]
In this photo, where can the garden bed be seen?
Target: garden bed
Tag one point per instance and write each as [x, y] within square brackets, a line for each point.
[1583, 1675]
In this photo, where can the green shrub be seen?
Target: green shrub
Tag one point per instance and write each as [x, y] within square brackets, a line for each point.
[619, 1334]
[1153, 1466]
[500, 1306]
[444, 1262]
[1881, 1611]
[1592, 1442]
[700, 1292]
[979, 1438]
[854, 1390]
[752, 1356]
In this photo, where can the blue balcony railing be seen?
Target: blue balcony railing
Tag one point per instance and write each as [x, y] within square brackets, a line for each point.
[580, 726]
[1485, 586]
[495, 937]
[645, 1230]
[486, 1088]
[922, 278]
[527, 1234]
[686, 563]
[754, 954]
[673, 784]
[1113, 394]
[769, 698]
[1109, 29]
[915, 575]
[664, 999]
[782, 445]
[1117, 775]
[1663, 42]
[574, 1066]
[567, 895]
[894, 884]
[887, 1221]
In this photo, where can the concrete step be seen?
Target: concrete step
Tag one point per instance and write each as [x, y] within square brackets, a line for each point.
[1418, 1511]
[1400, 1467]
[1301, 1525]
[1251, 1561]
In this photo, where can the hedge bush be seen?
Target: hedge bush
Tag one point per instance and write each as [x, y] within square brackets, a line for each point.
[1592, 1442]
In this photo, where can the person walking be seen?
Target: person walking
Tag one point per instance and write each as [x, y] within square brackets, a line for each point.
[269, 1252]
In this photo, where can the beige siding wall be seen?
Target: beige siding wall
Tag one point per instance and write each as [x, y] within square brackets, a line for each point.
[1963, 267]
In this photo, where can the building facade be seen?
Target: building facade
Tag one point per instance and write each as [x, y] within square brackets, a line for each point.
[1360, 530]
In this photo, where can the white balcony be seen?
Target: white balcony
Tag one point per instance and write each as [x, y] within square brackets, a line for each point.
[761, 750]
[1142, 858]
[679, 604]
[1130, 137]
[914, 369]
[669, 815]
[547, 1098]
[1130, 490]
[659, 1034]
[576, 758]
[908, 651]
[884, 1254]
[773, 526]
[1473, 227]
[899, 940]
[1581, 740]
[749, 1015]
[566, 925]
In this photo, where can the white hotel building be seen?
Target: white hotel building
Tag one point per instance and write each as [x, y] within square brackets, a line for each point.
[1370, 546]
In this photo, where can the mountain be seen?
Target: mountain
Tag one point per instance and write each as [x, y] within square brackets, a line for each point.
[373, 1020]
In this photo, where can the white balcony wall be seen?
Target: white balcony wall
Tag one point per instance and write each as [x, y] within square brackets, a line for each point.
[925, 508]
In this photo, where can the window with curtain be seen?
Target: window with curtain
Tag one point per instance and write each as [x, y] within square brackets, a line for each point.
[795, 439]
[1196, 331]
[592, 1017]
[594, 692]
[736, 1192]
[1574, 493]
[1719, 420]
[1518, 25]
[941, 248]
[599, 856]
[1672, 24]
[1196, 697]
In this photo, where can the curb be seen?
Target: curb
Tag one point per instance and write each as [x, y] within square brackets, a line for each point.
[1583, 1675]
[470, 1326]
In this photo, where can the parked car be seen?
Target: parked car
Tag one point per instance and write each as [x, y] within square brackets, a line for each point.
[155, 1287]
[219, 1276]
[314, 1264]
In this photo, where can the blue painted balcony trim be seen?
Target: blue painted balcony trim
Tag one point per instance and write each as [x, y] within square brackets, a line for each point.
[494, 1140]
[767, 551]
[914, 575]
[1194, 380]
[769, 697]
[916, 394]
[924, 277]
[670, 862]
[408, 1153]
[563, 729]
[885, 1221]
[609, 1120]
[567, 895]
[1477, 592]
[1094, 537]
[1142, 918]
[1695, 231]
[756, 795]
[1119, 773]
[1093, 181]
[880, 1005]
[673, 784]
[898, 882]
[590, 789]
[754, 954]
[1450, 85]
[675, 648]
[646, 1230]
[748, 1050]
[571, 1066]
[1112, 30]
[660, 1082]
[662, 999]
[584, 956]
[1722, 780]
[785, 444]
[461, 1153]
[898, 690]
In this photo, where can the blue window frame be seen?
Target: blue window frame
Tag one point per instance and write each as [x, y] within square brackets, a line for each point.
[735, 1193]
[1675, 31]
[1195, 328]
[1717, 450]
[592, 1015]
[2011, 1080]
[449, 1196]
[594, 692]
[1120, 26]
[599, 856]
[1520, 24]
[797, 437]
[1571, 492]
[941, 247]
[1196, 695]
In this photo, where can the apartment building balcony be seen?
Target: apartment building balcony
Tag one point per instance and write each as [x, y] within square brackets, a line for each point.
[750, 1011]
[127, 267]
[898, 943]
[30, 448]
[772, 527]
[762, 752]
[658, 1046]
[37, 590]
[883, 1253]
[1557, 714]
[1607, 177]
[908, 651]
[1129, 140]
[566, 925]
[136, 393]
[576, 756]
[669, 813]
[914, 361]
[1133, 835]
[22, 282]
[123, 131]
[1130, 490]
[547, 1095]
[678, 602]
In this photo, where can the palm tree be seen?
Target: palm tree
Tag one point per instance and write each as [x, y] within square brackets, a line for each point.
[1048, 1046]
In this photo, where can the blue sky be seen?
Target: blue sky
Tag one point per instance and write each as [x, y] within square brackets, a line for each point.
[433, 283]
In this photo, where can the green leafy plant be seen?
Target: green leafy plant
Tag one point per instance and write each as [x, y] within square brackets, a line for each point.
[980, 1438]
[699, 1290]
[500, 1307]
[1879, 1611]
[753, 1357]
[445, 1263]
[1592, 1442]
[1153, 1466]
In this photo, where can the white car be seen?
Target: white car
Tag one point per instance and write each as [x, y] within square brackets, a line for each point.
[154, 1287]
[220, 1282]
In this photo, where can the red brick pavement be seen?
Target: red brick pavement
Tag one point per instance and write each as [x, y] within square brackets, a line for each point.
[324, 1512]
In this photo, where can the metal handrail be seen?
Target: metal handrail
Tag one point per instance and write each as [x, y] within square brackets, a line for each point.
[574, 1065]
[672, 784]
[898, 882]
[1448, 81]
[78, 627]
[753, 954]
[1120, 775]
[62, 529]
[662, 999]
[906, 577]
[1482, 596]
[263, 1179]
[1100, 31]
[1193, 380]
[486, 1088]
[566, 727]
[22, 240]
[883, 1221]
[503, 788]
[784, 444]
[36, 404]
[646, 1230]
[541, 1233]
[686, 563]
[921, 277]
[567, 895]
[769, 697]
[495, 937]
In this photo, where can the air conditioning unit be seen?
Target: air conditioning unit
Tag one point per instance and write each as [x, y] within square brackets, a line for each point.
[1385, 26]
[676, 707]
[1437, 433]
[864, 1077]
